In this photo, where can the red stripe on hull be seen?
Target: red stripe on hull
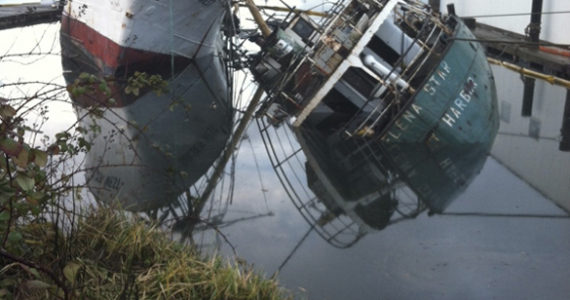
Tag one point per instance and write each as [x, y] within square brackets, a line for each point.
[111, 54]
[105, 58]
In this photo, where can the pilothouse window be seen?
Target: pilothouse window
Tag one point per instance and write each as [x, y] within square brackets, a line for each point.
[383, 50]
[303, 29]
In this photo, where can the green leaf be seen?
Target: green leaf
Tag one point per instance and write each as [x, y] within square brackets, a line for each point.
[24, 182]
[10, 146]
[4, 293]
[36, 284]
[70, 271]
[37, 195]
[40, 157]
[23, 157]
[4, 216]
[7, 111]
[14, 236]
[30, 270]
[5, 196]
[62, 136]
[83, 143]
[21, 131]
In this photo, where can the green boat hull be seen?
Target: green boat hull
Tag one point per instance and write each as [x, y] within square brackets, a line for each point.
[441, 141]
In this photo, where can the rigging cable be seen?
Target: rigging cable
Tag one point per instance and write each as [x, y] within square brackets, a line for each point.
[543, 43]
[301, 241]
[519, 14]
[554, 139]
[171, 12]
[503, 215]
[263, 189]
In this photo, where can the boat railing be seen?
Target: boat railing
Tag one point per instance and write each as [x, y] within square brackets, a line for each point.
[335, 12]
[387, 84]
[287, 159]
[308, 70]
[326, 27]
[409, 74]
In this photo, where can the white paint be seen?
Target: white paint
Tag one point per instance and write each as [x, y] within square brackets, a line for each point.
[381, 70]
[127, 23]
[351, 60]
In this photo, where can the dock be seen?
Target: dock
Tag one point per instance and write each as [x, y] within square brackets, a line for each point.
[13, 16]
[533, 59]
[504, 45]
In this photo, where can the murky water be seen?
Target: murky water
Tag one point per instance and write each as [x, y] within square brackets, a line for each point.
[498, 234]
[504, 237]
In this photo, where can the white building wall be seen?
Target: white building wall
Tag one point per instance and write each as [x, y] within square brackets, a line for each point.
[537, 161]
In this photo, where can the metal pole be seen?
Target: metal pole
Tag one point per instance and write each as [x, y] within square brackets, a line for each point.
[533, 31]
[435, 5]
[535, 21]
[228, 152]
[565, 131]
[451, 9]
[265, 30]
[528, 96]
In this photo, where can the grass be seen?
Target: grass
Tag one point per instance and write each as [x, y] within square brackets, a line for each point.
[111, 256]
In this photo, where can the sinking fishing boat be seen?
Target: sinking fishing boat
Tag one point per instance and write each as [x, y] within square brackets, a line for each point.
[148, 147]
[381, 95]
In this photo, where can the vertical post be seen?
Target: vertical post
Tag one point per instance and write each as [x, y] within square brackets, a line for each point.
[533, 31]
[528, 96]
[565, 131]
[435, 5]
[535, 21]
[451, 9]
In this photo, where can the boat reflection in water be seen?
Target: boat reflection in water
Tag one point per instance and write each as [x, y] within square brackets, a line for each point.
[148, 148]
[394, 108]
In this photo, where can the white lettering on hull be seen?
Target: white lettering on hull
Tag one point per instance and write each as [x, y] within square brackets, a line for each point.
[460, 103]
[437, 78]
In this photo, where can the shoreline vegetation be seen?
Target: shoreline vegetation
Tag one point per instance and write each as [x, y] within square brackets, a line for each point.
[109, 255]
[49, 250]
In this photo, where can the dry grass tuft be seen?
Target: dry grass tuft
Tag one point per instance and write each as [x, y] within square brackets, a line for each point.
[112, 256]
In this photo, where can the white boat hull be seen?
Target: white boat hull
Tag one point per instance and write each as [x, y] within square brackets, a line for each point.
[150, 148]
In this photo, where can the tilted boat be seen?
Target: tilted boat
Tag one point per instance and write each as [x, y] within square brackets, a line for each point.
[381, 95]
[148, 147]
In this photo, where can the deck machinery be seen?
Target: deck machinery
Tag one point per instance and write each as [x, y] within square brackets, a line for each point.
[392, 105]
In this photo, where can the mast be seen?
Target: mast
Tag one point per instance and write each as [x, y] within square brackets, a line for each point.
[265, 30]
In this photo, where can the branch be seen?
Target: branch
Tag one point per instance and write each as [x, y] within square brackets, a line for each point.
[43, 269]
